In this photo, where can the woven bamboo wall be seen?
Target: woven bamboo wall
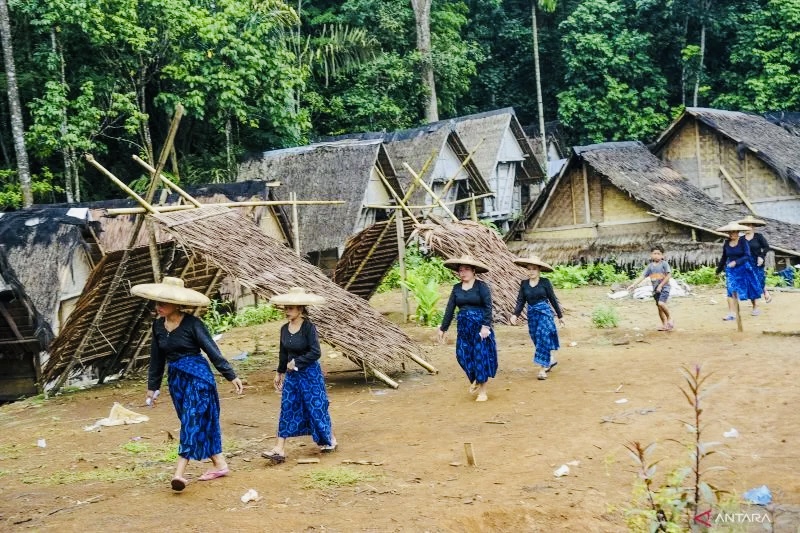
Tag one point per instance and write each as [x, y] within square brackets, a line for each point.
[618, 205]
[595, 198]
[559, 210]
[680, 153]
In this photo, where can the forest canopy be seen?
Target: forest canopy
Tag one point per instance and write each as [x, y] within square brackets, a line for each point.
[104, 76]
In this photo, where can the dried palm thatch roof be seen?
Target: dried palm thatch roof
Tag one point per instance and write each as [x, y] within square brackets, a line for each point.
[324, 171]
[788, 120]
[110, 328]
[776, 147]
[632, 168]
[267, 267]
[486, 132]
[454, 239]
[39, 244]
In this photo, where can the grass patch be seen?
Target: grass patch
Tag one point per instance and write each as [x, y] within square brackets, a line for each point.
[66, 477]
[9, 451]
[135, 447]
[3, 472]
[169, 453]
[605, 317]
[331, 478]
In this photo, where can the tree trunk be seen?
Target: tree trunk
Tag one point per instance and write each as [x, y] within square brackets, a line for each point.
[706, 8]
[422, 16]
[15, 107]
[144, 125]
[65, 151]
[683, 63]
[538, 73]
[228, 150]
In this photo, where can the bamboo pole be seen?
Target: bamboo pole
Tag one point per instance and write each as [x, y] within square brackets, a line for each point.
[736, 189]
[451, 202]
[383, 377]
[430, 191]
[183, 207]
[401, 260]
[461, 167]
[423, 363]
[169, 183]
[401, 203]
[738, 312]
[295, 223]
[473, 210]
[470, 453]
[146, 207]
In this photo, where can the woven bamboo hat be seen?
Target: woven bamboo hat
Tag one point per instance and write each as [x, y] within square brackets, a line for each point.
[533, 260]
[733, 226]
[750, 220]
[297, 296]
[468, 260]
[171, 290]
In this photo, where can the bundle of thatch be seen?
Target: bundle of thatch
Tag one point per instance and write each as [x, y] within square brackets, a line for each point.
[267, 267]
[454, 239]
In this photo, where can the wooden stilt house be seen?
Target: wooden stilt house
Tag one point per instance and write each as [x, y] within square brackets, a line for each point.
[505, 159]
[736, 158]
[613, 201]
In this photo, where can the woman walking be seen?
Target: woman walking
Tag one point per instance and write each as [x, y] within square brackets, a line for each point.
[758, 249]
[740, 275]
[538, 293]
[304, 401]
[476, 350]
[178, 339]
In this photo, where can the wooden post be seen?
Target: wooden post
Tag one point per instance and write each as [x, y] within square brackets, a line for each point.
[401, 260]
[424, 364]
[738, 313]
[737, 190]
[586, 205]
[383, 377]
[470, 453]
[697, 154]
[473, 210]
[295, 222]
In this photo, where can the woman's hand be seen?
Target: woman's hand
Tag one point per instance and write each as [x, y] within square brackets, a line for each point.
[238, 384]
[561, 322]
[278, 381]
[151, 398]
[291, 365]
[485, 332]
[760, 261]
[441, 336]
[732, 264]
[513, 320]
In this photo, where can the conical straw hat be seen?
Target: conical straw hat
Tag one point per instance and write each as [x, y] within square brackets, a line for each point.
[456, 262]
[750, 220]
[297, 296]
[171, 290]
[733, 226]
[533, 260]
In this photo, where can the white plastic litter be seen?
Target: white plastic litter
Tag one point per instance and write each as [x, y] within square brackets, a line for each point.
[573, 344]
[619, 295]
[677, 289]
[217, 337]
[117, 417]
[731, 433]
[250, 496]
[574, 463]
[41, 443]
[561, 471]
[621, 400]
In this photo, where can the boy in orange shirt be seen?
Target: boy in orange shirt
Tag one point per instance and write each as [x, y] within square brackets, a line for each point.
[659, 273]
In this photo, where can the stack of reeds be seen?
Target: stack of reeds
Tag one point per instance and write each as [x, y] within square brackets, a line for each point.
[454, 239]
[267, 267]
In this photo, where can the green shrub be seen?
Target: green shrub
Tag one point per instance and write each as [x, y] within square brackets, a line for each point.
[705, 275]
[426, 293]
[491, 225]
[774, 280]
[218, 321]
[428, 267]
[605, 274]
[568, 276]
[605, 317]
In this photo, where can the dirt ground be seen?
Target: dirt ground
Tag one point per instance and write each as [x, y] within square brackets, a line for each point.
[415, 435]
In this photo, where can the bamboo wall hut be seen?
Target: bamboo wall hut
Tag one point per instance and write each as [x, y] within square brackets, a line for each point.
[24, 337]
[557, 149]
[448, 172]
[348, 170]
[736, 158]
[505, 159]
[615, 200]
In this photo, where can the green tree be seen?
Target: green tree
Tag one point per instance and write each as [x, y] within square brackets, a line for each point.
[615, 91]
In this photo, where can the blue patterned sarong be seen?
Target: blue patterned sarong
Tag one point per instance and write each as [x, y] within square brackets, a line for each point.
[761, 276]
[194, 395]
[304, 405]
[743, 281]
[543, 332]
[477, 357]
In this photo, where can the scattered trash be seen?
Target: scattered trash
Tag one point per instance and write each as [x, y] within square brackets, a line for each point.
[573, 344]
[621, 400]
[731, 433]
[134, 439]
[758, 496]
[380, 392]
[119, 416]
[636, 329]
[41, 443]
[561, 471]
[574, 463]
[250, 496]
[308, 461]
[618, 388]
[619, 295]
[240, 356]
[375, 463]
[455, 464]
[217, 337]
[712, 301]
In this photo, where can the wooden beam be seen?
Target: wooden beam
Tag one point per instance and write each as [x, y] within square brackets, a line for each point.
[697, 154]
[401, 202]
[587, 218]
[739, 192]
[184, 207]
[401, 260]
[424, 364]
[10, 321]
[782, 333]
[295, 222]
[383, 377]
[185, 195]
[146, 207]
[430, 191]
[547, 200]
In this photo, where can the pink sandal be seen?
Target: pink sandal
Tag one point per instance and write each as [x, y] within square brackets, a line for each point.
[214, 474]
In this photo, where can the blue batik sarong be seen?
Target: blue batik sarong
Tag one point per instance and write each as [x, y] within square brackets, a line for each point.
[304, 405]
[477, 357]
[743, 281]
[194, 395]
[543, 332]
[761, 276]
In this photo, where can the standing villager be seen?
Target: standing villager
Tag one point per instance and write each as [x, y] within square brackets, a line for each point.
[660, 274]
[178, 339]
[304, 400]
[740, 275]
[537, 292]
[476, 349]
[758, 249]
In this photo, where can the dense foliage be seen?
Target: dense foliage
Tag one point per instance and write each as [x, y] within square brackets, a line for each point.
[104, 76]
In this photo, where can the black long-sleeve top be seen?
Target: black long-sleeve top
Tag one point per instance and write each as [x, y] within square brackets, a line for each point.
[189, 338]
[478, 297]
[532, 295]
[302, 346]
[739, 254]
[758, 246]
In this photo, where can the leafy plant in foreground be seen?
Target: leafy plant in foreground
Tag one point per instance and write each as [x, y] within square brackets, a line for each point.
[605, 317]
[426, 293]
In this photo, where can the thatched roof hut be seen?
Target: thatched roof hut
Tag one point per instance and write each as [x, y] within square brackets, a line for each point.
[347, 170]
[504, 158]
[736, 158]
[614, 200]
[788, 120]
